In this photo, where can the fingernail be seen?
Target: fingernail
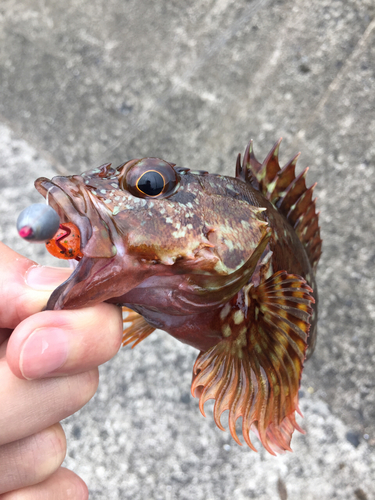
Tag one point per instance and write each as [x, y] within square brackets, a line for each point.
[44, 351]
[46, 278]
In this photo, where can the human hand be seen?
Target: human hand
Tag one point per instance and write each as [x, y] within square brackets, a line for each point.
[48, 371]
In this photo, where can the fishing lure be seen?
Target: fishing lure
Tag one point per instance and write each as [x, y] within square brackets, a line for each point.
[225, 264]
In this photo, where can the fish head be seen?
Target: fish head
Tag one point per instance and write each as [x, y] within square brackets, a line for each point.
[150, 218]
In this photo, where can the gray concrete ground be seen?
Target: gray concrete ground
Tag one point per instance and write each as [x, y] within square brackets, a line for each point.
[86, 82]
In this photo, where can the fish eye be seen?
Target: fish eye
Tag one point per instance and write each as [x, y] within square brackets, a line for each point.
[151, 183]
[149, 178]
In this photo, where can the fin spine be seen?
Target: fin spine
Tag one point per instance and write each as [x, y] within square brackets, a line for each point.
[287, 192]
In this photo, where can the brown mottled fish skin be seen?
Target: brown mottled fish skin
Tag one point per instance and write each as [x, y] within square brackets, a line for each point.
[225, 264]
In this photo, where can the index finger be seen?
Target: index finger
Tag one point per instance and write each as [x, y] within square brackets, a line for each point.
[24, 286]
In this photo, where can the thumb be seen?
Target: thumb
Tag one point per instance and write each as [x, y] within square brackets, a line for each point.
[25, 287]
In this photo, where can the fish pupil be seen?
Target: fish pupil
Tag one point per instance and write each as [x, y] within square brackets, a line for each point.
[151, 183]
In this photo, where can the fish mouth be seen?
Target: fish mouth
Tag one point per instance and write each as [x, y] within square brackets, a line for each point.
[73, 202]
[96, 277]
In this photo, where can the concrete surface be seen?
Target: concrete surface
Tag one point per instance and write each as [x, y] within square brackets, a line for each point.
[86, 82]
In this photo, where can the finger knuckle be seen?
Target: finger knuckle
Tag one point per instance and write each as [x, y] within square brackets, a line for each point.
[32, 459]
[82, 388]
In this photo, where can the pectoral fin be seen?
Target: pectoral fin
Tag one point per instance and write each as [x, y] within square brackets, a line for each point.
[136, 327]
[255, 371]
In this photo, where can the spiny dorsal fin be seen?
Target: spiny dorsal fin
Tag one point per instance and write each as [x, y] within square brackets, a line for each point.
[249, 166]
[270, 167]
[287, 193]
[255, 371]
[136, 327]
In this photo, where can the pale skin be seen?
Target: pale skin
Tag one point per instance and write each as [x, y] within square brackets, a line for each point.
[48, 370]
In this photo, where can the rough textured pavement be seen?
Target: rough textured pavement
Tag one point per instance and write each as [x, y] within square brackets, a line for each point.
[87, 82]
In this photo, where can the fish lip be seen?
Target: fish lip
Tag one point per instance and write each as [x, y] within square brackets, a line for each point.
[61, 201]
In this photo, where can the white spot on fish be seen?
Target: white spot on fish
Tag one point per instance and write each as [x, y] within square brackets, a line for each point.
[220, 268]
[179, 234]
[238, 317]
[266, 258]
[269, 273]
[225, 311]
[229, 244]
[226, 330]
